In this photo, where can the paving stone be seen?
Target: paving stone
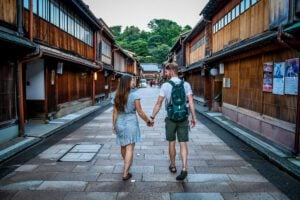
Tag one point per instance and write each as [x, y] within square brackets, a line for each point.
[248, 196]
[63, 185]
[78, 157]
[207, 177]
[144, 196]
[26, 168]
[252, 187]
[82, 176]
[198, 196]
[39, 195]
[19, 176]
[118, 177]
[120, 186]
[7, 194]
[247, 178]
[91, 196]
[23, 185]
[142, 187]
[207, 187]
[135, 169]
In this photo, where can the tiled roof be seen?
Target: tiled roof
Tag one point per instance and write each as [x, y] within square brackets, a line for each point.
[150, 67]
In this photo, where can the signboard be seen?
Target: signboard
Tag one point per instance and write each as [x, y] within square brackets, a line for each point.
[278, 78]
[291, 76]
[268, 77]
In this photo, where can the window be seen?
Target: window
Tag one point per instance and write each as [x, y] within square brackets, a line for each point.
[237, 10]
[242, 6]
[54, 13]
[229, 17]
[253, 2]
[71, 24]
[44, 9]
[222, 23]
[233, 14]
[198, 44]
[226, 20]
[247, 4]
[26, 4]
[63, 18]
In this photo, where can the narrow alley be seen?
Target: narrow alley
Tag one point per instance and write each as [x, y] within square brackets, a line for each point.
[93, 168]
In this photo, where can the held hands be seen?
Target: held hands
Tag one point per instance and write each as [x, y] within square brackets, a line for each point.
[150, 123]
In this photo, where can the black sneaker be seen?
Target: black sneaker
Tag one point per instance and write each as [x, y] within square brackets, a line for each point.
[182, 176]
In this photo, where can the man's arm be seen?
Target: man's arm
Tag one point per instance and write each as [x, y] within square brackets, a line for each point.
[157, 106]
[192, 108]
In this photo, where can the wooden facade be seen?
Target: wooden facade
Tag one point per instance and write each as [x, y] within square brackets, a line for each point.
[8, 12]
[251, 22]
[239, 40]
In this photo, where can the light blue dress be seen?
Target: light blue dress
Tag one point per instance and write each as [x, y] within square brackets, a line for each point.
[127, 125]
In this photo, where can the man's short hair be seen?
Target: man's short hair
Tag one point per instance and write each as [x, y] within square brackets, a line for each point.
[172, 66]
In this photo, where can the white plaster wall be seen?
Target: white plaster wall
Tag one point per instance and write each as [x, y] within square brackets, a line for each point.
[35, 80]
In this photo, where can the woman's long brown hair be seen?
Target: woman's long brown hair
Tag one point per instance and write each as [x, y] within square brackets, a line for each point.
[122, 93]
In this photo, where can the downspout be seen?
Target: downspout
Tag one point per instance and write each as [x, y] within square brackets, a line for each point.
[31, 57]
[297, 130]
[30, 24]
[20, 17]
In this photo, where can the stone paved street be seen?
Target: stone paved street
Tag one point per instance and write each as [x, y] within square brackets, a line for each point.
[215, 170]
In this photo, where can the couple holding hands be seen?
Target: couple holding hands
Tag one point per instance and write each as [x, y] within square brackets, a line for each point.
[125, 123]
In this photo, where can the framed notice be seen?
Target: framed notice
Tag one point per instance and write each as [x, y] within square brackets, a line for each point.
[268, 77]
[291, 76]
[278, 78]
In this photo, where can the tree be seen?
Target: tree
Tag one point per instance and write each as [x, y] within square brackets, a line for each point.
[150, 46]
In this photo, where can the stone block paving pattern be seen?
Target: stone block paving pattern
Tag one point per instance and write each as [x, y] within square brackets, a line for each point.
[216, 172]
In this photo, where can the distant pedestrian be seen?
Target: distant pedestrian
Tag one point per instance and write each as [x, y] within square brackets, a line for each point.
[125, 121]
[176, 92]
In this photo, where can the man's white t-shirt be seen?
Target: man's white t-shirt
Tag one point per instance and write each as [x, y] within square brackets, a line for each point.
[166, 88]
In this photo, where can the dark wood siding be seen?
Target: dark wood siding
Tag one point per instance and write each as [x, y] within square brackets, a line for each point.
[48, 34]
[246, 76]
[8, 11]
[7, 92]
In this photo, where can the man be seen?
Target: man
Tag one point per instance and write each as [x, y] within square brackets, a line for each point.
[173, 129]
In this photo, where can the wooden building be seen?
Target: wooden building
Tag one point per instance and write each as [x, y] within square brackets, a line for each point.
[150, 71]
[14, 49]
[105, 56]
[250, 39]
[60, 79]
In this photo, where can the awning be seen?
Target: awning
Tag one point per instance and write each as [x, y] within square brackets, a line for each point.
[16, 40]
[244, 45]
[68, 57]
[196, 65]
[293, 27]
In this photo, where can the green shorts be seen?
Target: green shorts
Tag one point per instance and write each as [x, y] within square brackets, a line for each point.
[179, 128]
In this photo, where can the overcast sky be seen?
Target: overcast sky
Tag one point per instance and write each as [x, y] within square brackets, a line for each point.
[140, 12]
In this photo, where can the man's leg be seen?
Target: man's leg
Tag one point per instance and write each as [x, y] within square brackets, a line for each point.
[172, 152]
[184, 155]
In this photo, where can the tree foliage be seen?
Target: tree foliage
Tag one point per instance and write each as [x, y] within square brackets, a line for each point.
[153, 45]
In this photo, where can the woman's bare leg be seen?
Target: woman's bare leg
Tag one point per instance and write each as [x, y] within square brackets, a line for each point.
[128, 159]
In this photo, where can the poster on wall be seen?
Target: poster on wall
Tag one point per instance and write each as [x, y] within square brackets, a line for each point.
[278, 78]
[268, 77]
[291, 76]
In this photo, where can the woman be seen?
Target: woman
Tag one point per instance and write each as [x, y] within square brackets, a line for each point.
[125, 122]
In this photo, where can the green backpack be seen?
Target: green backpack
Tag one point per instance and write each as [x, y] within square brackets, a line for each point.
[176, 108]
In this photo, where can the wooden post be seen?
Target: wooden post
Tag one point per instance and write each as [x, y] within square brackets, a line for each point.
[21, 100]
[46, 92]
[238, 86]
[297, 133]
[93, 88]
[95, 46]
[30, 28]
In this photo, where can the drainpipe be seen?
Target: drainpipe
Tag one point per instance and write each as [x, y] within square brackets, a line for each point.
[20, 17]
[30, 24]
[297, 131]
[20, 81]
